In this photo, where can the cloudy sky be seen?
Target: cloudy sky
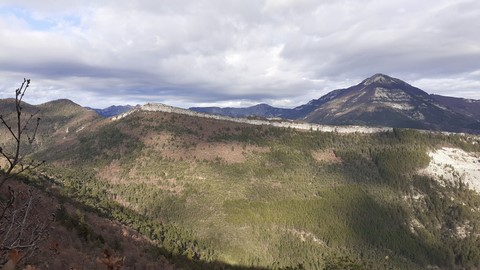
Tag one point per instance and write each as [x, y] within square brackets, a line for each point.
[233, 52]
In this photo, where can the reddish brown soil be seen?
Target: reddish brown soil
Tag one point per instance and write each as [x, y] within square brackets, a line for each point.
[64, 249]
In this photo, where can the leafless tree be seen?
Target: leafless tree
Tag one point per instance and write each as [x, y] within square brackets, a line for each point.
[22, 225]
[16, 163]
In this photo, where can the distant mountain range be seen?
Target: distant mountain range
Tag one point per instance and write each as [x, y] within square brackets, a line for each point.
[263, 110]
[377, 101]
[112, 110]
[468, 107]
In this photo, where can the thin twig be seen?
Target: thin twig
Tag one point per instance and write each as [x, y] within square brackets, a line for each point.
[4, 122]
[9, 228]
[11, 200]
[22, 225]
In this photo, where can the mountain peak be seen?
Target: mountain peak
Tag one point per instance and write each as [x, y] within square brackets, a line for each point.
[261, 106]
[112, 110]
[381, 79]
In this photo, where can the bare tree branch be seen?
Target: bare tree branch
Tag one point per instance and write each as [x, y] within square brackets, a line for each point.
[15, 159]
[4, 122]
[27, 167]
[22, 225]
[7, 156]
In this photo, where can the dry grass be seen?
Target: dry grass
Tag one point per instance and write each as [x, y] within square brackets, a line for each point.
[327, 156]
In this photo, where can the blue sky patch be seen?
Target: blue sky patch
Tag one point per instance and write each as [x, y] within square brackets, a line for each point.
[37, 23]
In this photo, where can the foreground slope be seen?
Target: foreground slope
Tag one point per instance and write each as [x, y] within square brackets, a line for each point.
[77, 237]
[216, 190]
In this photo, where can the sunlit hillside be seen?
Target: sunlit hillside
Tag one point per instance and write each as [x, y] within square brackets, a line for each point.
[206, 190]
[215, 193]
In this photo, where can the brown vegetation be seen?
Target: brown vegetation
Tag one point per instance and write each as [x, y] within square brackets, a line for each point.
[327, 156]
[64, 249]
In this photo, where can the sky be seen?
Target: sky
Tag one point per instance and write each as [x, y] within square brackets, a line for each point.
[233, 52]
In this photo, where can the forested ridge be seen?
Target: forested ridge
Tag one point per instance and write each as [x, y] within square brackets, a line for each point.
[213, 193]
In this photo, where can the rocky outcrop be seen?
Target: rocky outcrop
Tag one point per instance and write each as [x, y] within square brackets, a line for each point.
[276, 123]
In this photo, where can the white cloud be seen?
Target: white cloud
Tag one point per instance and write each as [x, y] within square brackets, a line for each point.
[465, 85]
[283, 52]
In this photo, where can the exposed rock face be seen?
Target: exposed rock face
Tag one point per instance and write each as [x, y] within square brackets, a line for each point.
[275, 123]
[452, 165]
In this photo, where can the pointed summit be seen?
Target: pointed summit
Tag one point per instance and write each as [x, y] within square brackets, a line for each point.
[385, 101]
[382, 79]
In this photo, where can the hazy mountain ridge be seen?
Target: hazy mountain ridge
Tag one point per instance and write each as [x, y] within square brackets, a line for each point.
[263, 110]
[382, 101]
[302, 111]
[470, 107]
[112, 110]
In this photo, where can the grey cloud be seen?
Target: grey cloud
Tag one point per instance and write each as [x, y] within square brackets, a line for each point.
[231, 52]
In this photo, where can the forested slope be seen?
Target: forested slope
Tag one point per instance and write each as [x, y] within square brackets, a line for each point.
[211, 190]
